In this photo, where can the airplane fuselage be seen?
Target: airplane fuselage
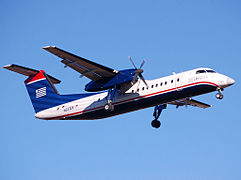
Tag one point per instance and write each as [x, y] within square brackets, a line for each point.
[159, 91]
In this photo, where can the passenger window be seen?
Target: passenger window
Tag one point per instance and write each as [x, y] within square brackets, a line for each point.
[143, 88]
[156, 85]
[171, 81]
[161, 84]
[177, 79]
[165, 83]
[152, 86]
[138, 90]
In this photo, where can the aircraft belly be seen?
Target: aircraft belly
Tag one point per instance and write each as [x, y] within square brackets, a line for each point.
[145, 102]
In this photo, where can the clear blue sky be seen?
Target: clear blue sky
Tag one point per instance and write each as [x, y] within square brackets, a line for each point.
[173, 36]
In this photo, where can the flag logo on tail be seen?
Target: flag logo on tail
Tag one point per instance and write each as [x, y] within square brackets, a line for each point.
[40, 92]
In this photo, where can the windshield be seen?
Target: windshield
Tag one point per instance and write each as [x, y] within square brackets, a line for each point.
[205, 71]
[200, 71]
[210, 71]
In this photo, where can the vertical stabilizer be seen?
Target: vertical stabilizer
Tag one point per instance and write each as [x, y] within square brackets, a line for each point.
[40, 87]
[42, 92]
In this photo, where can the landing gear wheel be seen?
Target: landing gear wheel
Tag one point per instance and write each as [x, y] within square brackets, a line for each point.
[219, 96]
[109, 107]
[155, 123]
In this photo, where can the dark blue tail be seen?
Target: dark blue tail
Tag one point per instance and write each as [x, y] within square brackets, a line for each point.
[41, 89]
[43, 93]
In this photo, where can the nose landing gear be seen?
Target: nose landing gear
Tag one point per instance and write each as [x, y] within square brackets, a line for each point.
[219, 95]
[157, 112]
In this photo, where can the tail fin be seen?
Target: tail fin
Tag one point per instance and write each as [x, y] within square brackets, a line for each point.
[40, 87]
[42, 92]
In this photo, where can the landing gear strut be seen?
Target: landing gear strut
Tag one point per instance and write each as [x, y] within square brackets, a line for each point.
[219, 95]
[111, 94]
[157, 112]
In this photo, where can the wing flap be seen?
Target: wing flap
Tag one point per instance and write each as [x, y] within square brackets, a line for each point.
[28, 72]
[84, 71]
[191, 102]
[86, 67]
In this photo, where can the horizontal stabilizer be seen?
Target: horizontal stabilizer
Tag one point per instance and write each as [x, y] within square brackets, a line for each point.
[191, 102]
[28, 72]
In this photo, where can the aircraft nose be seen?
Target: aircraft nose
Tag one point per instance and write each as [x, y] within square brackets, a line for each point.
[230, 81]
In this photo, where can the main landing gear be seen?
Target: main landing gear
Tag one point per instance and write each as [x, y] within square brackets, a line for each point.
[109, 106]
[157, 112]
[219, 95]
[111, 94]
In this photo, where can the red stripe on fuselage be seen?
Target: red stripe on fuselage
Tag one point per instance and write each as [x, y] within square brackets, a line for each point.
[139, 97]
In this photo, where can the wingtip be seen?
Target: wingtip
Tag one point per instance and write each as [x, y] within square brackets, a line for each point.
[8, 66]
[49, 47]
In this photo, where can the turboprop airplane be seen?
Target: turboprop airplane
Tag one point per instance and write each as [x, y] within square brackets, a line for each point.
[114, 92]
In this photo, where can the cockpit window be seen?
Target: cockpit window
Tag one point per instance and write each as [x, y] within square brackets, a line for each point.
[205, 71]
[200, 71]
[210, 71]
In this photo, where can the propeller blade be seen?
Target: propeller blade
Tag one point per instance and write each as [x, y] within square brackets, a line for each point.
[132, 62]
[134, 78]
[142, 78]
[143, 62]
[137, 73]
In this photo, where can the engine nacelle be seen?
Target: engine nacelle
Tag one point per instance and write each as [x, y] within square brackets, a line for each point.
[124, 76]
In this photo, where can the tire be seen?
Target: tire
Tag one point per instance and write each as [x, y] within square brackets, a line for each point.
[109, 107]
[219, 96]
[155, 123]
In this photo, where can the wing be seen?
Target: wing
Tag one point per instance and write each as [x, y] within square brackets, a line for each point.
[191, 102]
[86, 67]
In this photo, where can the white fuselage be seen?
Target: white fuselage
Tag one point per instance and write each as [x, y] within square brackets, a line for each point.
[139, 91]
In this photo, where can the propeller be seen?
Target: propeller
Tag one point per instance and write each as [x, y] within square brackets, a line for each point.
[138, 72]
